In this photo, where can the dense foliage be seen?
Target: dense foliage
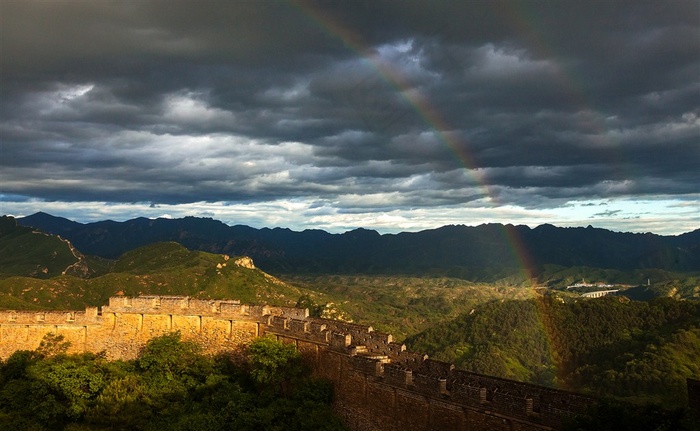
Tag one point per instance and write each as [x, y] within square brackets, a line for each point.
[636, 351]
[399, 305]
[171, 385]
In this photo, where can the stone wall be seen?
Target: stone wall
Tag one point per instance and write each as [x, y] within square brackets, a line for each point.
[379, 385]
[123, 327]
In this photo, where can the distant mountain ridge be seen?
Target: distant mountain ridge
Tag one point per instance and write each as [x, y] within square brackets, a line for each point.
[484, 252]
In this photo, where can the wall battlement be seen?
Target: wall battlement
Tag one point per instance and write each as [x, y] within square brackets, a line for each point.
[87, 317]
[377, 364]
[379, 384]
[183, 305]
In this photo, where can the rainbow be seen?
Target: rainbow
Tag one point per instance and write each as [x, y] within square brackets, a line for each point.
[426, 110]
[525, 23]
[391, 76]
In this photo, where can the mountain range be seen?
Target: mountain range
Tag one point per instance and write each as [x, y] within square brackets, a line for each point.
[48, 271]
[485, 252]
[612, 346]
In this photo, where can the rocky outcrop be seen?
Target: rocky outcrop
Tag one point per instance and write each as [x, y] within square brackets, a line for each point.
[244, 262]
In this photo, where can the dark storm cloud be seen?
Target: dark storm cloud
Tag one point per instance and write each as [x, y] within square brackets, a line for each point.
[178, 102]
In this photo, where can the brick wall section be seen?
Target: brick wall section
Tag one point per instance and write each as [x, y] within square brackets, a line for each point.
[123, 327]
[379, 385]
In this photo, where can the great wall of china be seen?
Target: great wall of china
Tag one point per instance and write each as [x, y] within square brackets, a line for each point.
[378, 384]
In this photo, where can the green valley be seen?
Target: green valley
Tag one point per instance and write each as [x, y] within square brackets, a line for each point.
[637, 351]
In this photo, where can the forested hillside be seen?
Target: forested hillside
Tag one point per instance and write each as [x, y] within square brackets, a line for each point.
[640, 351]
[170, 386]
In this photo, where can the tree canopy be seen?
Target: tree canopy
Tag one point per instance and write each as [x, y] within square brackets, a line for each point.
[171, 385]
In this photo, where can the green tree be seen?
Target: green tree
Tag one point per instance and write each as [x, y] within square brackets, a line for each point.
[272, 363]
[75, 381]
[171, 385]
[53, 345]
[305, 301]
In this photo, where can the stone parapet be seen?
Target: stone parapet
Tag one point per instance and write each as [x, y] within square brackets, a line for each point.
[184, 305]
[123, 327]
[376, 356]
[372, 373]
[88, 317]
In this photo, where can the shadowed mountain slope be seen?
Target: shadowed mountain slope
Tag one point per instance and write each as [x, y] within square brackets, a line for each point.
[32, 253]
[486, 252]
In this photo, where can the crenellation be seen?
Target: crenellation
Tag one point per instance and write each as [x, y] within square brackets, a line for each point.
[126, 324]
[49, 317]
[307, 329]
[409, 360]
[438, 381]
[279, 322]
[368, 365]
[290, 312]
[471, 395]
[317, 326]
[172, 303]
[396, 375]
[396, 349]
[258, 311]
[116, 302]
[375, 378]
[318, 332]
[203, 307]
[429, 385]
[230, 308]
[152, 304]
[298, 326]
[375, 342]
[340, 341]
[350, 328]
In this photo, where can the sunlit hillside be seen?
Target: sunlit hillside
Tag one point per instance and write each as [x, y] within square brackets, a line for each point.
[163, 268]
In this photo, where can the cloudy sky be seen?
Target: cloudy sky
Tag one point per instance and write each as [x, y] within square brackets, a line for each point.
[391, 115]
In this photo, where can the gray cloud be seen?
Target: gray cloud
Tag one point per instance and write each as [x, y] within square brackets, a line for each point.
[531, 104]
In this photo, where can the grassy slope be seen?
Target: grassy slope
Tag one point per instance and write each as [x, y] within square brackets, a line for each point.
[8, 302]
[164, 268]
